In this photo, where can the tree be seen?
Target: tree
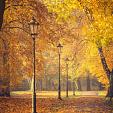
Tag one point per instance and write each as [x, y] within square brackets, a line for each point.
[19, 44]
[7, 52]
[98, 28]
[102, 35]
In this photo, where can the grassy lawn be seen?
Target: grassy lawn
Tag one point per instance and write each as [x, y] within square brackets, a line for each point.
[63, 93]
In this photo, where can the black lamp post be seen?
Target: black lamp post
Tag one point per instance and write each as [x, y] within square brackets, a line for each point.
[67, 60]
[59, 83]
[33, 24]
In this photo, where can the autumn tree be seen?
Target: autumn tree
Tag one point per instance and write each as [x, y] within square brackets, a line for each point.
[98, 29]
[7, 43]
[19, 44]
[101, 36]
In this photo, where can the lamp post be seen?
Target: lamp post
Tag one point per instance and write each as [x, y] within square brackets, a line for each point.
[67, 60]
[59, 83]
[33, 24]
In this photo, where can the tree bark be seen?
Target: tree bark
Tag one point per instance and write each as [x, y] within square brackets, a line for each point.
[29, 80]
[2, 9]
[100, 86]
[73, 88]
[53, 86]
[108, 73]
[5, 91]
[110, 89]
[88, 83]
[104, 63]
[49, 84]
[46, 83]
[79, 84]
[41, 87]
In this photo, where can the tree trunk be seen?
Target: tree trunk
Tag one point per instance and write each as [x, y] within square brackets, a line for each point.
[100, 86]
[79, 84]
[41, 87]
[49, 84]
[88, 83]
[73, 88]
[104, 63]
[6, 78]
[29, 80]
[110, 89]
[46, 80]
[2, 8]
[6, 90]
[53, 86]
[5, 86]
[31, 84]
[108, 73]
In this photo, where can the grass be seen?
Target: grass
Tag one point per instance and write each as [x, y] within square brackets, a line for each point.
[102, 93]
[63, 93]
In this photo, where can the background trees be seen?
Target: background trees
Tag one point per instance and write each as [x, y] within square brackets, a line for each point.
[96, 26]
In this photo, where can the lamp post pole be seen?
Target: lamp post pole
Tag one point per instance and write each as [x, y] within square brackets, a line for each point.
[59, 77]
[67, 81]
[33, 28]
[59, 86]
[34, 80]
[67, 68]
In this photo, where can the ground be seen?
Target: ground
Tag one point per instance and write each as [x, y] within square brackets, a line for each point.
[79, 104]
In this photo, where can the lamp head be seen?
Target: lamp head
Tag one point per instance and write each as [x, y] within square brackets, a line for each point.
[33, 24]
[59, 48]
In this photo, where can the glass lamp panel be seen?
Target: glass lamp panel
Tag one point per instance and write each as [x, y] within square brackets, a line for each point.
[67, 60]
[59, 48]
[35, 28]
[32, 28]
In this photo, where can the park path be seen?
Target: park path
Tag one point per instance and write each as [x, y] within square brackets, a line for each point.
[52, 105]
